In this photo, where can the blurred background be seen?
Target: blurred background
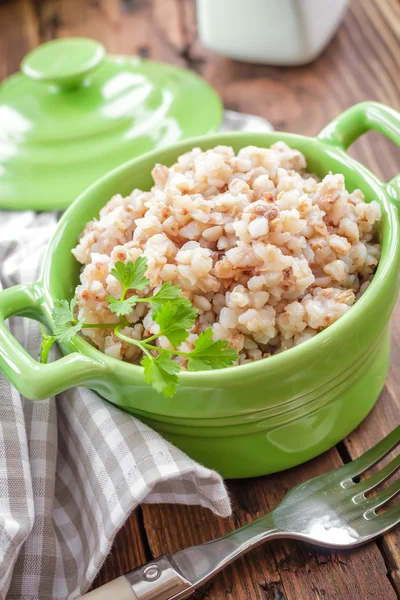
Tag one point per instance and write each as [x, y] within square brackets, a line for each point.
[361, 62]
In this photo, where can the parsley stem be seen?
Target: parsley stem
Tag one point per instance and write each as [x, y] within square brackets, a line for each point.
[146, 352]
[149, 299]
[151, 338]
[130, 340]
[177, 352]
[144, 345]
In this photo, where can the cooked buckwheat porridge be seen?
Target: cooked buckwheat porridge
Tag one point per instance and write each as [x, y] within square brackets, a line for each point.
[268, 254]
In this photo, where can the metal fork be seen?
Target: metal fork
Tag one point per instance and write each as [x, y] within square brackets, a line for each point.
[331, 510]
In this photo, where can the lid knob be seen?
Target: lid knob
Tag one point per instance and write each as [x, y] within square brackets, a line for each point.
[64, 62]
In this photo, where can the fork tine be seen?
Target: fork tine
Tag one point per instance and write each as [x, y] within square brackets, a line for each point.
[388, 519]
[369, 484]
[383, 497]
[373, 456]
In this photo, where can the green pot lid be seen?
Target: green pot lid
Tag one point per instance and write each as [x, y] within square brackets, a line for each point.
[74, 113]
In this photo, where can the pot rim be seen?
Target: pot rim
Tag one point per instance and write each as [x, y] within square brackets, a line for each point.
[283, 360]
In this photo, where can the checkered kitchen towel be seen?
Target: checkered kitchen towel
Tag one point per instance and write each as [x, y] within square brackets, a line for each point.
[73, 469]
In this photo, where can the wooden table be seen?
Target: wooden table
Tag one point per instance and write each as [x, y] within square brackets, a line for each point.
[362, 62]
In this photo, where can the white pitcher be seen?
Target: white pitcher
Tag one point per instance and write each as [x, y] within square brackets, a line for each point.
[274, 32]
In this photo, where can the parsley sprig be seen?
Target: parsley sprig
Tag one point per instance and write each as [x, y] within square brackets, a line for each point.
[174, 315]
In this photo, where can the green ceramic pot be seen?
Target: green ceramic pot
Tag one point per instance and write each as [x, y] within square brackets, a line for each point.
[73, 113]
[257, 418]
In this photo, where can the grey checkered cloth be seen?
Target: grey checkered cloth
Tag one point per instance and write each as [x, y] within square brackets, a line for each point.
[73, 469]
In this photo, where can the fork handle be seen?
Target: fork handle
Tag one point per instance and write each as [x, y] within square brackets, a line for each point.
[120, 589]
[176, 576]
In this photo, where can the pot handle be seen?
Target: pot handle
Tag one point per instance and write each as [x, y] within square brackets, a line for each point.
[32, 379]
[359, 119]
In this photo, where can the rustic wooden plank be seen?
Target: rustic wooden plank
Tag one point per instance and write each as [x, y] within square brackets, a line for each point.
[129, 27]
[167, 29]
[18, 34]
[281, 569]
[119, 30]
[382, 21]
[129, 551]
[382, 419]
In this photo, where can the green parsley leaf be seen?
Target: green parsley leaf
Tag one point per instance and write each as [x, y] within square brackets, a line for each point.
[161, 373]
[61, 313]
[65, 333]
[167, 293]
[72, 305]
[47, 342]
[174, 321]
[122, 307]
[131, 275]
[208, 354]
[65, 325]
